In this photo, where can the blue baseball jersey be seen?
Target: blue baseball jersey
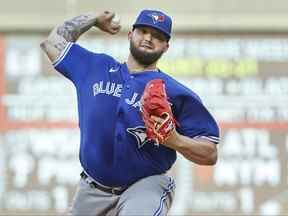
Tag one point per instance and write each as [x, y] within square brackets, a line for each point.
[114, 149]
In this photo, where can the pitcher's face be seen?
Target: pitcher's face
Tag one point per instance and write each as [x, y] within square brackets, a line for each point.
[147, 44]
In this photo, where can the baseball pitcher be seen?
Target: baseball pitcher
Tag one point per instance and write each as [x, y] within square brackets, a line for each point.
[133, 117]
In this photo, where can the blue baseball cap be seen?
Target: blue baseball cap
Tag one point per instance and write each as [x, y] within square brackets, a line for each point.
[155, 19]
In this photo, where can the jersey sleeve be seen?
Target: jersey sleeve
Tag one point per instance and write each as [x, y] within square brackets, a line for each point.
[195, 121]
[74, 62]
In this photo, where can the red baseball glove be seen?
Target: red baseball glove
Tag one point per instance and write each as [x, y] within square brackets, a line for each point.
[154, 102]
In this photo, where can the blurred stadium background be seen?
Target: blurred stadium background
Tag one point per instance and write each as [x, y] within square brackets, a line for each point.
[232, 53]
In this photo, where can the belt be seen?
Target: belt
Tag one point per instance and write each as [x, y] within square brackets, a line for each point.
[94, 184]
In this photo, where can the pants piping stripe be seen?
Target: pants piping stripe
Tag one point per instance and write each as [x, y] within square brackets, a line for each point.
[164, 197]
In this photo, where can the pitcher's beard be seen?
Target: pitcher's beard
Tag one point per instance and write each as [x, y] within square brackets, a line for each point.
[144, 58]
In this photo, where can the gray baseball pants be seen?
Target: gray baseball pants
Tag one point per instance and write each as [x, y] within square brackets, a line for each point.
[152, 195]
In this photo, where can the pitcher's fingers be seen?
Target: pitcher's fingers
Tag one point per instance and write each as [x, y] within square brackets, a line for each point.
[115, 27]
[114, 30]
[157, 119]
[109, 15]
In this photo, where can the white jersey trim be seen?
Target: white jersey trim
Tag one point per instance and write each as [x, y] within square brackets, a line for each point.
[213, 139]
[62, 55]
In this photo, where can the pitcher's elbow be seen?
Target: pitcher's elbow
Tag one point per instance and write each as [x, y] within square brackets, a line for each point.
[211, 159]
[43, 45]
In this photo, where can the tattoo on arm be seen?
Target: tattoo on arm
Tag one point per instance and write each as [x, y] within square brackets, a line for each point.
[72, 29]
[60, 45]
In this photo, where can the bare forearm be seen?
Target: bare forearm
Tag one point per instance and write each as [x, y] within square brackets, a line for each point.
[69, 31]
[72, 29]
[199, 151]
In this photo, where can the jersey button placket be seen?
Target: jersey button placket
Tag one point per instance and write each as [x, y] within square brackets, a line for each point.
[128, 82]
[119, 137]
[120, 114]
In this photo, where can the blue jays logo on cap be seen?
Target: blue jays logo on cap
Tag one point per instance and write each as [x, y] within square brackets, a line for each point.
[155, 19]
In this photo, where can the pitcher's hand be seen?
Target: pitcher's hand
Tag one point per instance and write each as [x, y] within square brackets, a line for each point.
[106, 23]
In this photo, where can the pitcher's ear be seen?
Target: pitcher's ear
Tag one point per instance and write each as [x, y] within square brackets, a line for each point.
[167, 46]
[130, 35]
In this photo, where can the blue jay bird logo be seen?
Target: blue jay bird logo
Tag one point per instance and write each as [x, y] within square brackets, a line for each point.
[157, 17]
[140, 134]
